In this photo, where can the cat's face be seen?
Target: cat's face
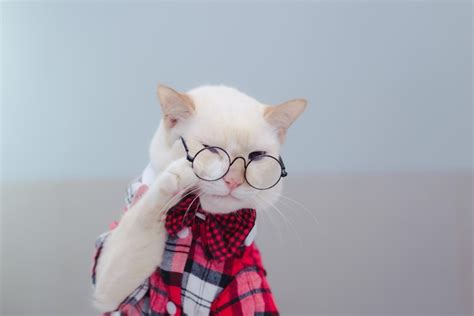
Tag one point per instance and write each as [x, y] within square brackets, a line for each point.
[243, 127]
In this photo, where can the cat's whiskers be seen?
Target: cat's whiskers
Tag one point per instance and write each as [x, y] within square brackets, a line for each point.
[299, 204]
[287, 221]
[190, 204]
[175, 199]
[264, 210]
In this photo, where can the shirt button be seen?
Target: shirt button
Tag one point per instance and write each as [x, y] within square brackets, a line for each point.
[183, 233]
[171, 308]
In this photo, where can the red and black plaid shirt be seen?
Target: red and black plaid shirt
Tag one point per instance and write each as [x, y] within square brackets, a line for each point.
[189, 282]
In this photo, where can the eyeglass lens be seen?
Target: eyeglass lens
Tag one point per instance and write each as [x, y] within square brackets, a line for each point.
[212, 163]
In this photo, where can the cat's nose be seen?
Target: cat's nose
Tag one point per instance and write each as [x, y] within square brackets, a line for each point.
[232, 182]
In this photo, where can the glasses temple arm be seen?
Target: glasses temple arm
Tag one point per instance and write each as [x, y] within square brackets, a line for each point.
[283, 168]
[186, 149]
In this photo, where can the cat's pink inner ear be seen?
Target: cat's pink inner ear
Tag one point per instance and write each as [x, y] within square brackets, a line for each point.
[176, 107]
[282, 116]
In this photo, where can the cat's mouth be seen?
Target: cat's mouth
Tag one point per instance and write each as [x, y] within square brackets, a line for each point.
[226, 196]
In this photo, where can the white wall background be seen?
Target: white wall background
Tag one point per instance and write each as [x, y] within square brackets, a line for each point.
[389, 83]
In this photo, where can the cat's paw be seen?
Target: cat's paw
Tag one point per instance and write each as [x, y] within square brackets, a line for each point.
[177, 178]
[182, 173]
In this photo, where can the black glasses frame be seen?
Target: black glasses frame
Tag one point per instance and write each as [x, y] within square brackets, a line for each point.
[191, 159]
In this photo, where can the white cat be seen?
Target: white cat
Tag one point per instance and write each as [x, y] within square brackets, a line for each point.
[205, 116]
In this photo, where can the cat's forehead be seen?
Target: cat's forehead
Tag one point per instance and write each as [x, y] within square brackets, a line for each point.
[229, 118]
[211, 96]
[231, 106]
[233, 136]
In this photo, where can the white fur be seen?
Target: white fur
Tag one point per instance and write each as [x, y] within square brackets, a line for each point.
[222, 116]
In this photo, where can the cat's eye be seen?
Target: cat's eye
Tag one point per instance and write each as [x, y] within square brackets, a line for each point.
[212, 163]
[211, 148]
[255, 155]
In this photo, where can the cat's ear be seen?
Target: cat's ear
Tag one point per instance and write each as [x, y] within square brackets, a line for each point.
[175, 106]
[282, 116]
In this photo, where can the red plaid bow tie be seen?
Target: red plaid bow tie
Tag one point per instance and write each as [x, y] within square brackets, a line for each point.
[222, 234]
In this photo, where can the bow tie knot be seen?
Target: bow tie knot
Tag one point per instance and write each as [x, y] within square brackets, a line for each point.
[223, 235]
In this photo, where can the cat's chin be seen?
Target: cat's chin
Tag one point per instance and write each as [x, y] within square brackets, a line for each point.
[214, 203]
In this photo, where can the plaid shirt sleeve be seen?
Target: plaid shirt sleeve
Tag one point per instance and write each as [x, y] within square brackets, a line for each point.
[248, 294]
[137, 300]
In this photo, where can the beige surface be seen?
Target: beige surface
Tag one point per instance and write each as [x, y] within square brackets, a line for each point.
[385, 245]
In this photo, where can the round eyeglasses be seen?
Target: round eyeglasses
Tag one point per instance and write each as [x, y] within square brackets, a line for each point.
[212, 163]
